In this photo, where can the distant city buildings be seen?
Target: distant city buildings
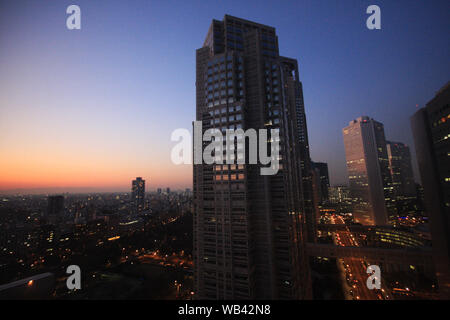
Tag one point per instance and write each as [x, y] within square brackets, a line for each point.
[250, 229]
[339, 194]
[431, 130]
[138, 194]
[30, 246]
[368, 170]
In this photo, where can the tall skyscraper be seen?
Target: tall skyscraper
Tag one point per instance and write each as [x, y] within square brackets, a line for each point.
[368, 170]
[138, 194]
[401, 171]
[249, 229]
[323, 180]
[431, 130]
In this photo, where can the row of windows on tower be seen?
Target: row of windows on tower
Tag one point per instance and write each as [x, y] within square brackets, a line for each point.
[221, 93]
[231, 177]
[222, 101]
[221, 67]
[268, 48]
[228, 167]
[221, 59]
[274, 73]
[224, 110]
[221, 85]
[224, 128]
[234, 37]
[222, 76]
[230, 118]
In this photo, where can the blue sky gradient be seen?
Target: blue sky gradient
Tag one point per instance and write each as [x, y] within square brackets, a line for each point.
[109, 95]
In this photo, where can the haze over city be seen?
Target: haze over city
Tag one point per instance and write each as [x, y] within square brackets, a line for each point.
[90, 110]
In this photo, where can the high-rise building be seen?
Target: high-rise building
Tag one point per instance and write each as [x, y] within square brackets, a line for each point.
[368, 170]
[249, 229]
[400, 166]
[323, 180]
[403, 186]
[431, 130]
[138, 194]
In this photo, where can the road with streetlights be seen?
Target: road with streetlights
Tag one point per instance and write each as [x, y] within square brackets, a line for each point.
[355, 269]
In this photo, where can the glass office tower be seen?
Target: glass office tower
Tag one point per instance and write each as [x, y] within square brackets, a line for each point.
[368, 170]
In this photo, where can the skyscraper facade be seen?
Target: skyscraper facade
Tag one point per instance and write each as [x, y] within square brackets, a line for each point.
[368, 170]
[323, 180]
[431, 131]
[400, 167]
[138, 194]
[250, 229]
[403, 186]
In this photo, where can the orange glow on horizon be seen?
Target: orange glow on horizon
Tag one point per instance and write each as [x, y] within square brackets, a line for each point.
[108, 174]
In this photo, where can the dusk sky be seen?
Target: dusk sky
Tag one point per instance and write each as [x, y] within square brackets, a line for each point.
[91, 109]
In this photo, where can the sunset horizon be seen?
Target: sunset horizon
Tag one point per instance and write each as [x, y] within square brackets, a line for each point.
[102, 110]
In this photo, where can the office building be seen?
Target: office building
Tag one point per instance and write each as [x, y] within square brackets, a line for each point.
[403, 187]
[400, 167]
[138, 194]
[368, 170]
[250, 229]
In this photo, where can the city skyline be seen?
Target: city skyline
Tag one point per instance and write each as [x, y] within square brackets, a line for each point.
[81, 110]
[320, 141]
